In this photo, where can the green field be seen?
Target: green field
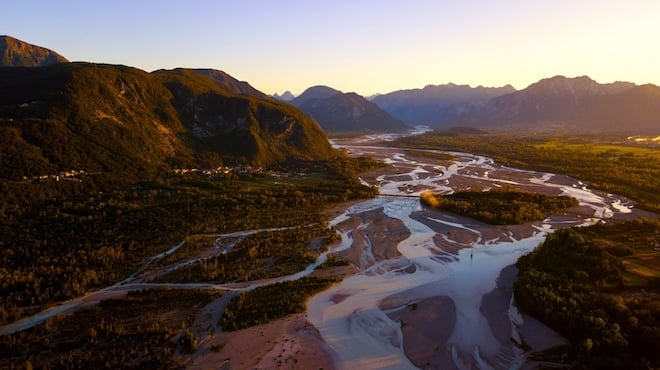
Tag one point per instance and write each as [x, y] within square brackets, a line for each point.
[644, 265]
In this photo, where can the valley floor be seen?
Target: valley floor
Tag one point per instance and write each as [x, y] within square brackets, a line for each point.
[424, 288]
[389, 312]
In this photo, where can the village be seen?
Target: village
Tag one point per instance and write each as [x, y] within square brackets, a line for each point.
[217, 172]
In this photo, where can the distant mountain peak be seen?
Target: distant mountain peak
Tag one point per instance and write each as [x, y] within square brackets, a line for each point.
[436, 103]
[336, 111]
[567, 80]
[286, 96]
[580, 85]
[17, 53]
[315, 92]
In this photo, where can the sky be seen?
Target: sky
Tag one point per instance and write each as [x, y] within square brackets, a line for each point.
[363, 46]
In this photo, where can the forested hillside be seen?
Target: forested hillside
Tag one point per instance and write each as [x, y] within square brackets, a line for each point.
[591, 284]
[117, 119]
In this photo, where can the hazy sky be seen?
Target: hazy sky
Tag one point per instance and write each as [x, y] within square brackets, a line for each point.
[366, 46]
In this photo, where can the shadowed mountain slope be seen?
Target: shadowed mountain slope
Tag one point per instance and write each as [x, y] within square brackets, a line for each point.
[350, 112]
[120, 119]
[336, 111]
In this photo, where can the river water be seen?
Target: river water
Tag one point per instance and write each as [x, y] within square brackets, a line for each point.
[438, 303]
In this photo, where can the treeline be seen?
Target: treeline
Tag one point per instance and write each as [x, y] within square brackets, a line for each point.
[499, 207]
[144, 330]
[261, 255]
[430, 154]
[59, 240]
[620, 169]
[574, 282]
[271, 302]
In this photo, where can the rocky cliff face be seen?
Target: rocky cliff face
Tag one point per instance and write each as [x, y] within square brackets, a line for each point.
[16, 53]
[246, 126]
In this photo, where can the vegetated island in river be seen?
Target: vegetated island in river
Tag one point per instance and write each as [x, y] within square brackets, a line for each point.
[499, 207]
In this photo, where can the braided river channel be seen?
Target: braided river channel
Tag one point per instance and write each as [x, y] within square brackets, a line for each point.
[435, 290]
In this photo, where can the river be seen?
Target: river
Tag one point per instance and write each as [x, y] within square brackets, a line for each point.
[445, 299]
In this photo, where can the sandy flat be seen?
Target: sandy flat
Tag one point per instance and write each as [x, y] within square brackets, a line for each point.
[426, 326]
[289, 343]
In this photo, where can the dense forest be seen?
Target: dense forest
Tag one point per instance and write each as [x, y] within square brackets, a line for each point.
[144, 330]
[625, 169]
[499, 207]
[61, 239]
[598, 286]
[270, 302]
[258, 256]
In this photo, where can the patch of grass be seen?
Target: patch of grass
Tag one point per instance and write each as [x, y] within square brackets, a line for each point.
[639, 268]
[633, 280]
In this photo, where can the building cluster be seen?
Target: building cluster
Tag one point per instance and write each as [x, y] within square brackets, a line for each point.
[222, 170]
[71, 175]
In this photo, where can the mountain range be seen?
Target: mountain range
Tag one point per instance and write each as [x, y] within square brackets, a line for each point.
[437, 104]
[56, 115]
[336, 111]
[568, 104]
[563, 104]
[119, 119]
